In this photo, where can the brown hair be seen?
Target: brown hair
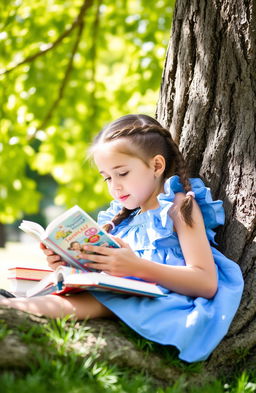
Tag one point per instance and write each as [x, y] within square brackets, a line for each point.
[148, 138]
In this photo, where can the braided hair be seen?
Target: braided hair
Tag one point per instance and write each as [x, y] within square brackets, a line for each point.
[148, 138]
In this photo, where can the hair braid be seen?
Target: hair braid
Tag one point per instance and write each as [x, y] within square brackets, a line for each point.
[181, 170]
[119, 217]
[127, 132]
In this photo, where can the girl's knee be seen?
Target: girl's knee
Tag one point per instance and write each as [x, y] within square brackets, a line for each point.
[86, 306]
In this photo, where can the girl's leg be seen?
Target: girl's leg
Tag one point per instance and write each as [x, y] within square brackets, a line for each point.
[81, 306]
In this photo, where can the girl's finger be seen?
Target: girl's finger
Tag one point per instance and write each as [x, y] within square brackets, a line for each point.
[46, 249]
[94, 257]
[53, 258]
[97, 266]
[49, 252]
[97, 249]
[55, 265]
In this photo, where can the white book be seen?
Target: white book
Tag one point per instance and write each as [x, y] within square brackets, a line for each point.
[20, 287]
[66, 279]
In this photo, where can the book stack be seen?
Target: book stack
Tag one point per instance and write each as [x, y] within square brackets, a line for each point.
[23, 278]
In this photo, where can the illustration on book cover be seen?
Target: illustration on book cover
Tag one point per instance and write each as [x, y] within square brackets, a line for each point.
[77, 231]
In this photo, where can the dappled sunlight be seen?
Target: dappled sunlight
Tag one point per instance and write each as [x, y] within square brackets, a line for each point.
[66, 71]
[50, 305]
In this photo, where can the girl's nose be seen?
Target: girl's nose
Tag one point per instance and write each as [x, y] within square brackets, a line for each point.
[116, 185]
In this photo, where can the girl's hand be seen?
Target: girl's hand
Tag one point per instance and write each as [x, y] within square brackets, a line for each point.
[54, 260]
[116, 261]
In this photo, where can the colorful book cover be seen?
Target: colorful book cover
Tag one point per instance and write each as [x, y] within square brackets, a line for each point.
[68, 233]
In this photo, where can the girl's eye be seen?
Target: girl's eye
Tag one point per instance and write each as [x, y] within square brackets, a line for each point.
[124, 173]
[108, 179]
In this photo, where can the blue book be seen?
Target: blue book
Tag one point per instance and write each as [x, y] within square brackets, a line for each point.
[68, 233]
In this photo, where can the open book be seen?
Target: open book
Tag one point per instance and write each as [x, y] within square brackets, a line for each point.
[67, 280]
[67, 233]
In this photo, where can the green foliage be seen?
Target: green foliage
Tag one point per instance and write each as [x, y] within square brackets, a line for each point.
[66, 69]
[62, 334]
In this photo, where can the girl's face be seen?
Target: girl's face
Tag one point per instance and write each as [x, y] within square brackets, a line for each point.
[129, 179]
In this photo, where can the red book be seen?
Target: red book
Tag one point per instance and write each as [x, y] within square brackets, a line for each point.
[23, 278]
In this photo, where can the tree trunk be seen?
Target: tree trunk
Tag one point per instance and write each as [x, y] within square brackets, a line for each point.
[208, 101]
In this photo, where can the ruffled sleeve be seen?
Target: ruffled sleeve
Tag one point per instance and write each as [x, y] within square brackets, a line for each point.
[212, 211]
[160, 225]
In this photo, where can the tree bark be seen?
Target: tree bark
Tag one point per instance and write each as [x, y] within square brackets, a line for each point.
[208, 101]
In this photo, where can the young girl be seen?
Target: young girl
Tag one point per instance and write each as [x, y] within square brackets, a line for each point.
[164, 224]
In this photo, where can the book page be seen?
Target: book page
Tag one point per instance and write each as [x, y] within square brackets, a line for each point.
[68, 278]
[108, 282]
[33, 229]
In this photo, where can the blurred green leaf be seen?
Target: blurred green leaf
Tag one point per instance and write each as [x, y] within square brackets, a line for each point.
[50, 113]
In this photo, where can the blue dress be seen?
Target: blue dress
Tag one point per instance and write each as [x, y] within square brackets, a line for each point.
[194, 325]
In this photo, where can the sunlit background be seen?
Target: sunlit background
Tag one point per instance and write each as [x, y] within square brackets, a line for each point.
[68, 68]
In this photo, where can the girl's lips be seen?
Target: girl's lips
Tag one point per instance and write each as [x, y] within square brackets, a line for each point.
[123, 198]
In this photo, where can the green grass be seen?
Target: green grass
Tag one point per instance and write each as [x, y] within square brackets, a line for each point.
[61, 370]
[72, 377]
[4, 330]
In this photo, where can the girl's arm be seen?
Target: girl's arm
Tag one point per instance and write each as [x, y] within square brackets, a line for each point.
[197, 278]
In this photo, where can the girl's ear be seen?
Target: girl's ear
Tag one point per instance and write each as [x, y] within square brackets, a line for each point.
[158, 164]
